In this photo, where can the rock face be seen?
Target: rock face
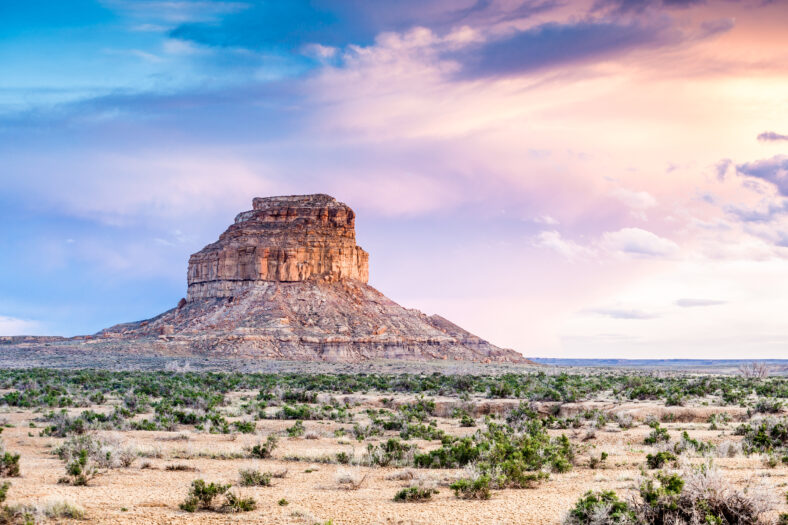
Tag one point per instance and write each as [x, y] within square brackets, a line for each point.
[287, 281]
[284, 239]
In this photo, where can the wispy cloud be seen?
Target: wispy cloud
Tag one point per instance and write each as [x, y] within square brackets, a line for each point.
[639, 243]
[623, 313]
[692, 303]
[771, 136]
[773, 170]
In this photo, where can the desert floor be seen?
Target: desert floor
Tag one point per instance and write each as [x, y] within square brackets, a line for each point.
[146, 492]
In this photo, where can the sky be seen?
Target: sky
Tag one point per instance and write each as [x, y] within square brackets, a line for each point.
[600, 178]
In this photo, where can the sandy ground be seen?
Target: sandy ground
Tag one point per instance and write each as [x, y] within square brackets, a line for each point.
[152, 495]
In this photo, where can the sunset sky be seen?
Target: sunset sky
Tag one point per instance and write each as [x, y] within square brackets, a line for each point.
[603, 178]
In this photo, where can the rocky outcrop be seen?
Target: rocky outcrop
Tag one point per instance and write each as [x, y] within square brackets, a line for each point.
[286, 281]
[284, 239]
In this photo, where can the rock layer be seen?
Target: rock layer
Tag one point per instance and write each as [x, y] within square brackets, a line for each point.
[285, 239]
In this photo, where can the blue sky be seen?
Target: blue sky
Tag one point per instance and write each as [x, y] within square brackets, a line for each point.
[557, 176]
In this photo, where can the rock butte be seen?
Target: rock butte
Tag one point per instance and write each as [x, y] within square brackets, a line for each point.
[287, 281]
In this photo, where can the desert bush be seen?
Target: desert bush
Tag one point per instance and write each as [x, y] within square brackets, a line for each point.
[264, 449]
[727, 449]
[391, 452]
[657, 435]
[600, 508]
[414, 493]
[79, 470]
[254, 478]
[472, 488]
[698, 495]
[244, 427]
[686, 443]
[9, 464]
[235, 503]
[297, 429]
[658, 460]
[180, 467]
[63, 509]
[202, 495]
[352, 480]
[764, 435]
[104, 452]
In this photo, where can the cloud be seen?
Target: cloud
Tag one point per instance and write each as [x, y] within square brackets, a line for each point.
[637, 201]
[546, 219]
[638, 242]
[554, 44]
[692, 303]
[14, 326]
[766, 213]
[567, 248]
[638, 6]
[622, 313]
[722, 168]
[773, 170]
[771, 136]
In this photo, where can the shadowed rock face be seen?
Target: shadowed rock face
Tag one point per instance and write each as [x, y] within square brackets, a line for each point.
[284, 239]
[286, 281]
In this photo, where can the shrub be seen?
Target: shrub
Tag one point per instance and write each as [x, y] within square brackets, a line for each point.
[410, 494]
[391, 452]
[9, 465]
[264, 450]
[254, 478]
[201, 495]
[699, 495]
[64, 509]
[657, 435]
[244, 427]
[79, 470]
[764, 435]
[600, 508]
[297, 429]
[659, 459]
[106, 453]
[467, 421]
[235, 503]
[477, 488]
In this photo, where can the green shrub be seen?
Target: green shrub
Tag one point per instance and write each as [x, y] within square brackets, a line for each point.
[236, 503]
[600, 508]
[201, 495]
[254, 478]
[297, 429]
[264, 450]
[478, 488]
[9, 465]
[659, 459]
[765, 435]
[467, 421]
[79, 470]
[414, 494]
[657, 435]
[244, 427]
